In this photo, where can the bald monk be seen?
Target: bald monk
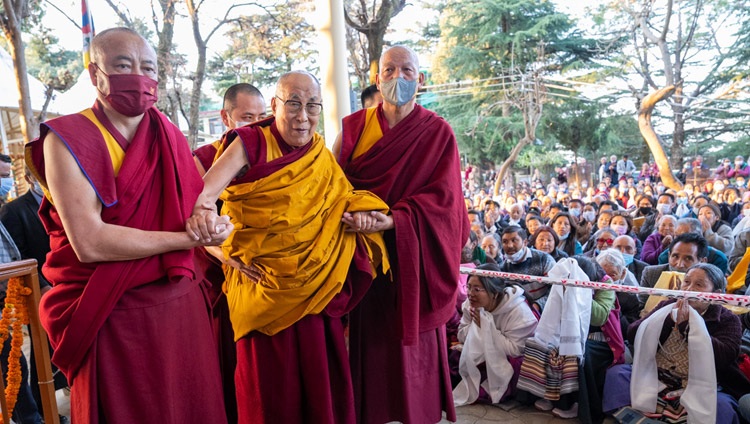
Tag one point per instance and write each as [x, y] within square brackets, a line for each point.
[126, 308]
[301, 271]
[243, 104]
[408, 156]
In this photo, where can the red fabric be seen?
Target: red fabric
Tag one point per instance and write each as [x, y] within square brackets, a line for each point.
[205, 155]
[136, 369]
[415, 169]
[398, 345]
[298, 375]
[613, 333]
[254, 141]
[147, 194]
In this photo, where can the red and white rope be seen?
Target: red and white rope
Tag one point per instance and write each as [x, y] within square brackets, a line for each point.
[717, 298]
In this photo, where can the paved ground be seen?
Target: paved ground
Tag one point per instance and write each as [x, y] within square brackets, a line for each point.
[477, 414]
[510, 413]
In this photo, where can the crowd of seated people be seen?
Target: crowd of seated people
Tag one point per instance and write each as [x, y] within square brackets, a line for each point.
[645, 235]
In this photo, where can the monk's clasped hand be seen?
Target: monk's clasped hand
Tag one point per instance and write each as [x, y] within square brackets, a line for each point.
[367, 222]
[209, 228]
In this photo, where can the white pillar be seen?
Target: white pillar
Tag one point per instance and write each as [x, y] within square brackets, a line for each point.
[4, 136]
[333, 54]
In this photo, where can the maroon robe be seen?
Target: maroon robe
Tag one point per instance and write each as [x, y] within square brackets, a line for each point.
[300, 374]
[397, 344]
[133, 337]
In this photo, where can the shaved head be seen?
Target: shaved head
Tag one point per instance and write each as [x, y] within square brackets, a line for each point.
[102, 41]
[291, 77]
[400, 50]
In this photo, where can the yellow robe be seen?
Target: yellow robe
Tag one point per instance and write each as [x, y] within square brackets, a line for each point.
[289, 225]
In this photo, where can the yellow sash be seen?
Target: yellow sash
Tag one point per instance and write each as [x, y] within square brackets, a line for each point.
[370, 134]
[115, 150]
[288, 224]
[737, 279]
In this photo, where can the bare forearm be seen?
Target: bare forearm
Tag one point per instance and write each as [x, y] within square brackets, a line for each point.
[116, 243]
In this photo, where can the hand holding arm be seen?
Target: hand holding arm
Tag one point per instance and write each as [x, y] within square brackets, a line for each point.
[367, 222]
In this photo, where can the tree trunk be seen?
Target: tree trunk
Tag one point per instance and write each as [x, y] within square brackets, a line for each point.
[12, 31]
[164, 54]
[652, 139]
[678, 135]
[508, 163]
[375, 30]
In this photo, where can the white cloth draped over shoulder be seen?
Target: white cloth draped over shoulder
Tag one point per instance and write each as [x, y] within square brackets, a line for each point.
[699, 398]
[503, 333]
[565, 320]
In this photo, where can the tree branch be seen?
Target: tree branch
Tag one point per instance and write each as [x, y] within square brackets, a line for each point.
[64, 14]
[123, 17]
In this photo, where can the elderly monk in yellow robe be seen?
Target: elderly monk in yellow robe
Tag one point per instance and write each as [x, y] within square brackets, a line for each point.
[286, 196]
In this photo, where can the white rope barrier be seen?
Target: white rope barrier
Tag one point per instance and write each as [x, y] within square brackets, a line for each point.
[716, 298]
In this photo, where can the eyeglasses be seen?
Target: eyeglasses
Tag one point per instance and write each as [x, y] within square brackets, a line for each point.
[608, 242]
[312, 109]
[475, 289]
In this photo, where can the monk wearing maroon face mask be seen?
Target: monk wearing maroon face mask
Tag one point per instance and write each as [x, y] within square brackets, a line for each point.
[126, 304]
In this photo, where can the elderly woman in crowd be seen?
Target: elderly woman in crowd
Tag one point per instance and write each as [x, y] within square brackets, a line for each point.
[613, 263]
[680, 337]
[601, 240]
[659, 240]
[566, 228]
[545, 239]
[496, 313]
[717, 233]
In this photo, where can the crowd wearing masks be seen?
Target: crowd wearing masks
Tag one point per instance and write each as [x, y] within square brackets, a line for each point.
[592, 352]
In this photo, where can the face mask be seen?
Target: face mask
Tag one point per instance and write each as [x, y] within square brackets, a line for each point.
[682, 200]
[738, 163]
[398, 91]
[576, 212]
[516, 257]
[6, 184]
[131, 94]
[660, 189]
[645, 210]
[746, 212]
[664, 208]
[620, 229]
[589, 216]
[628, 258]
[37, 189]
[564, 237]
[718, 187]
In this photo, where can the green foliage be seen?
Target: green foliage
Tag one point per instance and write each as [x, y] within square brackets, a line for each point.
[490, 42]
[264, 46]
[584, 128]
[707, 47]
[50, 63]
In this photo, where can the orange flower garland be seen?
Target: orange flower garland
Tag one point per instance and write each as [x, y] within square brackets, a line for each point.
[15, 315]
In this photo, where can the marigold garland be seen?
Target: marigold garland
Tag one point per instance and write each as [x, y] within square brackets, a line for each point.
[15, 315]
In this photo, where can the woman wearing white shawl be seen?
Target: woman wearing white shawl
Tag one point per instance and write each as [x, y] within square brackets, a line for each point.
[495, 324]
[596, 332]
[673, 345]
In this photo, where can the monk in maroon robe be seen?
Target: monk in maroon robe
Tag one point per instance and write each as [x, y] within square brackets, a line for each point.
[300, 269]
[408, 156]
[243, 104]
[127, 314]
